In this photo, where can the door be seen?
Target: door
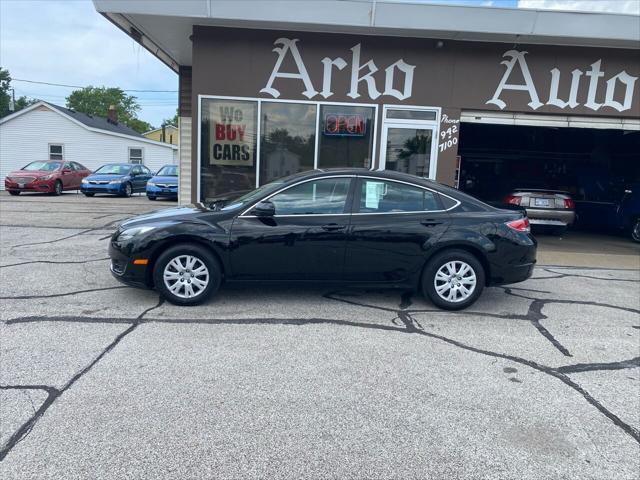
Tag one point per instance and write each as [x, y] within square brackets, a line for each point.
[68, 176]
[138, 178]
[393, 226]
[409, 148]
[304, 240]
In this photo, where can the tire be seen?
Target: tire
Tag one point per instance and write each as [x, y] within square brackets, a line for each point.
[57, 188]
[635, 230]
[128, 190]
[457, 259]
[14, 192]
[151, 197]
[182, 254]
[87, 194]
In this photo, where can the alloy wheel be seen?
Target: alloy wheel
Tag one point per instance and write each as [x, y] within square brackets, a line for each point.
[186, 276]
[635, 233]
[58, 188]
[455, 281]
[127, 190]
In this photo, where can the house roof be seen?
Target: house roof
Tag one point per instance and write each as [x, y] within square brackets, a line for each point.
[164, 28]
[90, 122]
[100, 123]
[167, 127]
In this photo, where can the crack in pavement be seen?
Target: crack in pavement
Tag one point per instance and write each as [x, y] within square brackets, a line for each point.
[102, 227]
[55, 262]
[592, 367]
[591, 277]
[55, 295]
[53, 393]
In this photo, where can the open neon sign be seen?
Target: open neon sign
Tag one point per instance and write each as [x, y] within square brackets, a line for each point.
[344, 125]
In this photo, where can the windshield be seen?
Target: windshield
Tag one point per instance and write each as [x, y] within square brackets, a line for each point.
[43, 166]
[253, 195]
[113, 170]
[168, 171]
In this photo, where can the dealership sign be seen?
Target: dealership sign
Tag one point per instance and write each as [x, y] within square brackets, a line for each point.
[360, 73]
[618, 87]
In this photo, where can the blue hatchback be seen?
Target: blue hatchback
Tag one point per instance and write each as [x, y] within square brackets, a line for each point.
[122, 179]
[164, 184]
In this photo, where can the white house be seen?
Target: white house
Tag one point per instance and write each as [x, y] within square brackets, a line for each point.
[44, 131]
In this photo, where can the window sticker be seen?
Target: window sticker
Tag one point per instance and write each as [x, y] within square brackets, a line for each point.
[374, 192]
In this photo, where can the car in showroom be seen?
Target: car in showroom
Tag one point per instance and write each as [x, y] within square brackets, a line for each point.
[123, 179]
[52, 176]
[164, 184]
[339, 226]
[552, 209]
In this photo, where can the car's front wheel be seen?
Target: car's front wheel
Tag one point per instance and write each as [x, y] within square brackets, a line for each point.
[635, 231]
[14, 192]
[187, 274]
[89, 194]
[151, 197]
[57, 188]
[453, 279]
[128, 190]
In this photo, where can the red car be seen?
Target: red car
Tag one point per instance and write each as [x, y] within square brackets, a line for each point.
[53, 176]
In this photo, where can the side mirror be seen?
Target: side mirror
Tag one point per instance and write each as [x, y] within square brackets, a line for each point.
[264, 209]
[66, 171]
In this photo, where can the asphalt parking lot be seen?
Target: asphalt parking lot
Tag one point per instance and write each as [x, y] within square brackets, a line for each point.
[97, 380]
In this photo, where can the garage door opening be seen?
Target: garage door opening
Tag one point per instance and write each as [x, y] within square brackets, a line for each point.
[594, 165]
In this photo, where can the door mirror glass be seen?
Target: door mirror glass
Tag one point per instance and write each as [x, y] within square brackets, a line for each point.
[264, 209]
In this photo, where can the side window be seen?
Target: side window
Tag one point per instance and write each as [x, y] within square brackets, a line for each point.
[77, 167]
[136, 170]
[67, 166]
[145, 170]
[379, 196]
[324, 196]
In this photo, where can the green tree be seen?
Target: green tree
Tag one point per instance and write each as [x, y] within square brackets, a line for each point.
[171, 121]
[97, 100]
[6, 94]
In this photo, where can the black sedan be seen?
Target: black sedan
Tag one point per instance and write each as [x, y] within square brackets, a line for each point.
[346, 226]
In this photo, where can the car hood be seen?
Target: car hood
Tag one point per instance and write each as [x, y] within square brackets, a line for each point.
[163, 179]
[105, 177]
[27, 173]
[165, 215]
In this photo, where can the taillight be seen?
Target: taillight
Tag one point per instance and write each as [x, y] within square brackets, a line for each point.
[520, 225]
[569, 203]
[512, 199]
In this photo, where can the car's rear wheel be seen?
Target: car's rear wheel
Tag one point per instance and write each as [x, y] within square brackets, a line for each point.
[14, 192]
[635, 231]
[128, 190]
[453, 279]
[187, 274]
[57, 188]
[88, 194]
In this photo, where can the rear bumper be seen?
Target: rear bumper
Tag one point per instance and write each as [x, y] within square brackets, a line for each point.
[541, 216]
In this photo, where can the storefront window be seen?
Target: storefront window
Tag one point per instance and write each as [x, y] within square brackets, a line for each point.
[345, 136]
[287, 139]
[228, 147]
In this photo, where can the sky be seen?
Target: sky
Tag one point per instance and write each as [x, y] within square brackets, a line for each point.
[68, 42]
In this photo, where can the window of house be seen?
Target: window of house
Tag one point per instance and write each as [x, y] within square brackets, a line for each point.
[136, 155]
[378, 196]
[324, 196]
[228, 147]
[287, 139]
[345, 136]
[56, 151]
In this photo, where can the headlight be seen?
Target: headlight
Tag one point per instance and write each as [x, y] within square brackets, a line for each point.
[132, 232]
[46, 177]
[85, 181]
[151, 184]
[113, 182]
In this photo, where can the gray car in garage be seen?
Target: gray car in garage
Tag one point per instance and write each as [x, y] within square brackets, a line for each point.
[549, 208]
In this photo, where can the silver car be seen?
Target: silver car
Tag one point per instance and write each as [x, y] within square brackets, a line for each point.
[551, 208]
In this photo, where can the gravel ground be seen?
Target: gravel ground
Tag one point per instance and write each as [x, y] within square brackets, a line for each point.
[97, 380]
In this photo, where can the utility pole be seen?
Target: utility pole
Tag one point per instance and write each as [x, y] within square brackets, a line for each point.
[12, 101]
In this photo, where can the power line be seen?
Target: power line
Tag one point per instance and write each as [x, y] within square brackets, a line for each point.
[79, 86]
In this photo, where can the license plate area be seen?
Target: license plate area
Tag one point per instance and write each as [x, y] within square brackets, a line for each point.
[541, 202]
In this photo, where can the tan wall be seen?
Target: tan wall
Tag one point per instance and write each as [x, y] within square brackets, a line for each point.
[171, 135]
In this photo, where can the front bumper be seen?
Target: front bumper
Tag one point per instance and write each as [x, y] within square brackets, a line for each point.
[168, 192]
[124, 270]
[112, 189]
[43, 186]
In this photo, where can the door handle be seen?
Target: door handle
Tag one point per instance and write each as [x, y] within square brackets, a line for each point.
[430, 222]
[331, 227]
